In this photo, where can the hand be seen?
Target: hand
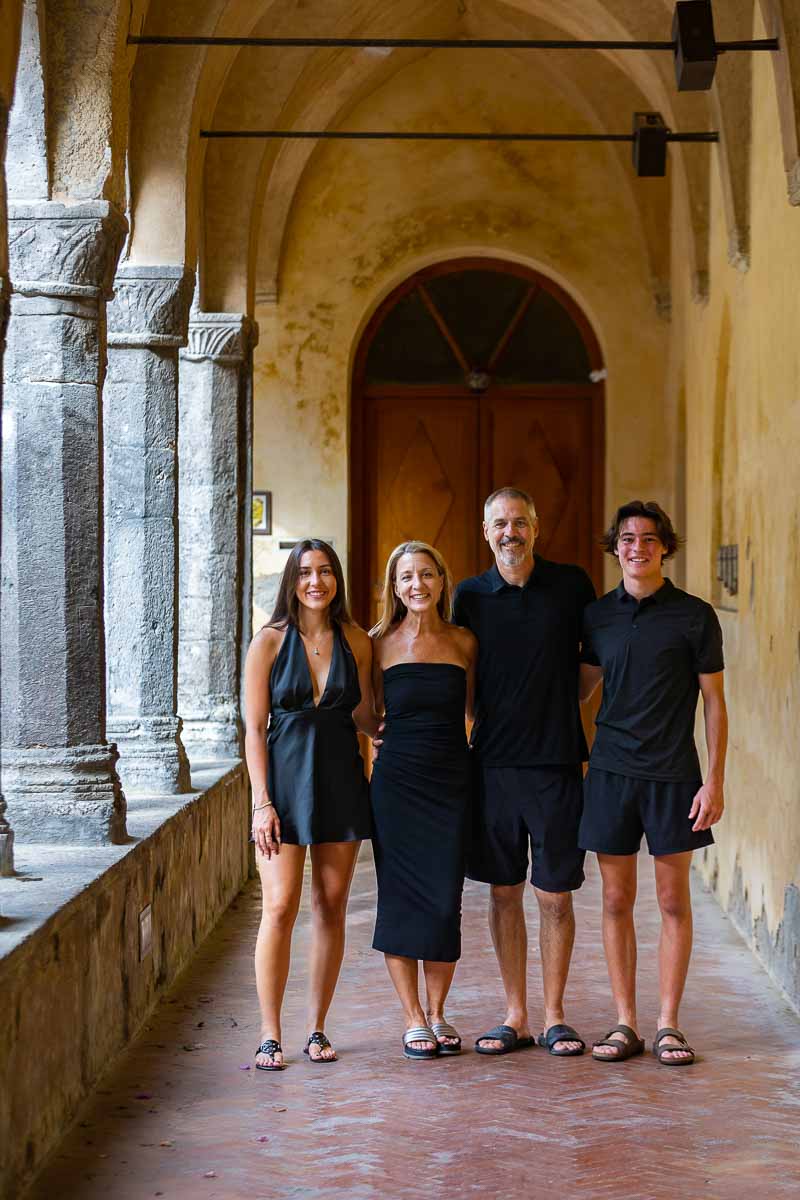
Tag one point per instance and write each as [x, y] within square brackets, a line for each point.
[377, 741]
[707, 806]
[267, 830]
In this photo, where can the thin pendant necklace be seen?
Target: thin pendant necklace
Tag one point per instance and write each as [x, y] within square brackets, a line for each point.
[314, 645]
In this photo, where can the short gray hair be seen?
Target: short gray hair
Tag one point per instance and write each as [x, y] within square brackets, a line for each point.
[509, 493]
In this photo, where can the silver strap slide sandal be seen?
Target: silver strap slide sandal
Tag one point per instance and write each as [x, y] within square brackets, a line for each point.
[420, 1033]
[443, 1029]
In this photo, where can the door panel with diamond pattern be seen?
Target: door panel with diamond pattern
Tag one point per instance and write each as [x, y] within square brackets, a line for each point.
[423, 481]
[544, 445]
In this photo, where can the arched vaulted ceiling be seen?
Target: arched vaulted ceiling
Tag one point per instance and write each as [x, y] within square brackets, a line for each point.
[111, 106]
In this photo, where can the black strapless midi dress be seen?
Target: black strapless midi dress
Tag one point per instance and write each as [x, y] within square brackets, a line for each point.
[420, 805]
[316, 775]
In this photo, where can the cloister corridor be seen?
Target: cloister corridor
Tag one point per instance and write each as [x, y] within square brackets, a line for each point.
[183, 1114]
[283, 269]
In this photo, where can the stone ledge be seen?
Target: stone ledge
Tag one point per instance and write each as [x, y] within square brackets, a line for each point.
[74, 986]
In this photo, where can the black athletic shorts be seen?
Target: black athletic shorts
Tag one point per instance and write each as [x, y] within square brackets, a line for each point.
[618, 809]
[515, 806]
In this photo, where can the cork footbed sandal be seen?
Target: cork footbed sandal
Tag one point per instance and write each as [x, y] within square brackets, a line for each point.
[632, 1045]
[661, 1051]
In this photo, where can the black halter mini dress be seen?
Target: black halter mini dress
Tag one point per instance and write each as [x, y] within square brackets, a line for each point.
[316, 775]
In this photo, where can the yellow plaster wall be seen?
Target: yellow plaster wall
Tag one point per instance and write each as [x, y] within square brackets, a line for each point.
[740, 357]
[368, 215]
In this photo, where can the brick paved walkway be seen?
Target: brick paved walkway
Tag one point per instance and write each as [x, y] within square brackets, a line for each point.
[526, 1125]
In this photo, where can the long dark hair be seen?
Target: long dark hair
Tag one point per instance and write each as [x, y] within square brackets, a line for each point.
[287, 606]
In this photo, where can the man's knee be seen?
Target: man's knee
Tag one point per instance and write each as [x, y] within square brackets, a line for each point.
[507, 899]
[554, 906]
[675, 903]
[618, 900]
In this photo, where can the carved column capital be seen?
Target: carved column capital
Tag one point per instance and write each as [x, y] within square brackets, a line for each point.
[150, 306]
[62, 251]
[221, 337]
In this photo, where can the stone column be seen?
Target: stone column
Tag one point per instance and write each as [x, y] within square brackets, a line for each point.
[147, 322]
[6, 832]
[59, 775]
[213, 392]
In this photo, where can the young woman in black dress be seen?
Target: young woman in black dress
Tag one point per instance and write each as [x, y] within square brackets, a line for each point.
[307, 680]
[423, 673]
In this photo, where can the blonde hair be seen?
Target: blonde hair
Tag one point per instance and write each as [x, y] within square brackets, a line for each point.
[393, 609]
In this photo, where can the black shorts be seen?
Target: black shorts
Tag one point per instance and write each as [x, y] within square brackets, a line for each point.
[618, 809]
[515, 806]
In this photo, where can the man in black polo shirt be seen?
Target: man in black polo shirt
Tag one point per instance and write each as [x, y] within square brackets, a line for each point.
[655, 648]
[528, 741]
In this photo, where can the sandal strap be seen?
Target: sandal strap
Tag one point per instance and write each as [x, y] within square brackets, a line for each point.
[562, 1033]
[420, 1033]
[318, 1038]
[270, 1047]
[445, 1029]
[674, 1033]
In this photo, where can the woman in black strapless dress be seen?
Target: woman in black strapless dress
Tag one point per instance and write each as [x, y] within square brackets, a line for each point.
[423, 675]
[308, 675]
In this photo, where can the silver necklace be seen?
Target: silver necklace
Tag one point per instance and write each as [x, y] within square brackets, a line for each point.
[315, 645]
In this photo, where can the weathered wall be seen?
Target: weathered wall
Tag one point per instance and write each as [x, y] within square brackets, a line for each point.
[739, 360]
[74, 992]
[368, 215]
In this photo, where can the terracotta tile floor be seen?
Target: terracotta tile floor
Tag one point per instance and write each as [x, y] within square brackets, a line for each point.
[526, 1125]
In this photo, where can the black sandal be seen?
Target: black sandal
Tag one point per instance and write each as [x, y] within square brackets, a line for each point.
[561, 1033]
[622, 1050]
[509, 1037]
[318, 1039]
[270, 1047]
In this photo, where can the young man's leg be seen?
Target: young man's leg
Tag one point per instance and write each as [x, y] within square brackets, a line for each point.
[618, 872]
[675, 945]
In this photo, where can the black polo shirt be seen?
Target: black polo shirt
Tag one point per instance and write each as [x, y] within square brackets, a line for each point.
[527, 711]
[651, 652]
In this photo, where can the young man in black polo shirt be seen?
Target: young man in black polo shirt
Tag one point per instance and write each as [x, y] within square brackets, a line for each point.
[528, 742]
[655, 648]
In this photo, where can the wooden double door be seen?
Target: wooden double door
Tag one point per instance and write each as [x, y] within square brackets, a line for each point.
[430, 456]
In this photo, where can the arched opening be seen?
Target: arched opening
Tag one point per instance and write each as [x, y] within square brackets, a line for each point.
[472, 374]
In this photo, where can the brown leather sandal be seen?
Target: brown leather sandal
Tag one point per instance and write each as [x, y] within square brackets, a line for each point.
[622, 1050]
[662, 1051]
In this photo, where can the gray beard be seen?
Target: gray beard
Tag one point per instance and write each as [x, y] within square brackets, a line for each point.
[512, 556]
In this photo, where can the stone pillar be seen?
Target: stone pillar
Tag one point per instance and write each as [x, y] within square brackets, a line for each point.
[59, 775]
[147, 322]
[6, 832]
[213, 393]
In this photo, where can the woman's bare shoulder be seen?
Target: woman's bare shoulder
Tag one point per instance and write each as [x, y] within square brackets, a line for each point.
[266, 643]
[465, 640]
[360, 641]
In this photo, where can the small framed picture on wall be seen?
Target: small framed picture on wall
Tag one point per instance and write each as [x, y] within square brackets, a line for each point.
[262, 512]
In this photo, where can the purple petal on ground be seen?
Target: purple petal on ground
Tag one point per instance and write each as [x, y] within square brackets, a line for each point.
[245, 1067]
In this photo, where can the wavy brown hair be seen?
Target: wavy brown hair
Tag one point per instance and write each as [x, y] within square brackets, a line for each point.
[287, 606]
[653, 512]
[393, 609]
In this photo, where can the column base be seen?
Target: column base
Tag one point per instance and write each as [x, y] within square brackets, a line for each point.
[152, 760]
[209, 740]
[6, 853]
[68, 794]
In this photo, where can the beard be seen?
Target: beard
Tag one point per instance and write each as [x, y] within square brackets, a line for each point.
[512, 553]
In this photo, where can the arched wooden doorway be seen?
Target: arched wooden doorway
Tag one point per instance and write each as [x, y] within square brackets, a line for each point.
[472, 374]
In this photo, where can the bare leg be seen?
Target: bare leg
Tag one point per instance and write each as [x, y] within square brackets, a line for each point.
[438, 978]
[404, 974]
[281, 886]
[675, 944]
[618, 872]
[556, 939]
[332, 866]
[510, 939]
